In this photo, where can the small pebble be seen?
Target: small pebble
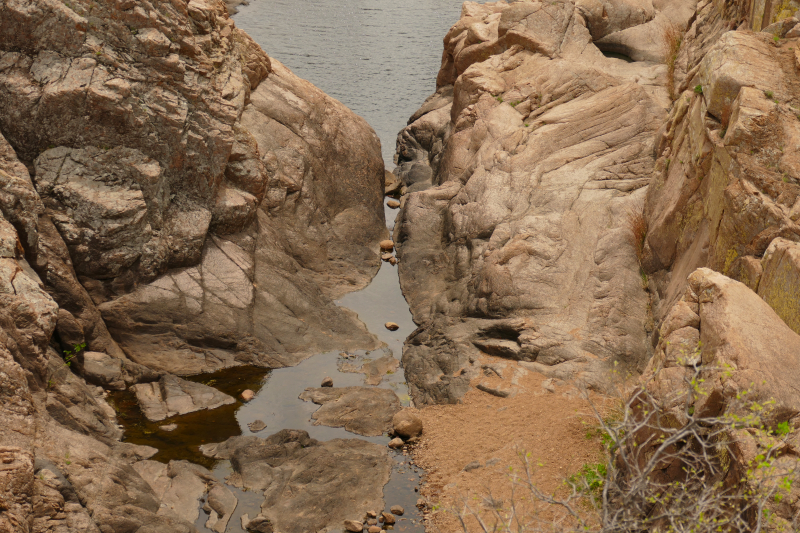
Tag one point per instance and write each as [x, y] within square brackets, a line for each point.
[372, 514]
[354, 526]
[372, 522]
[420, 502]
[374, 529]
[398, 510]
[387, 518]
[394, 204]
[393, 260]
[387, 245]
[396, 443]
[248, 395]
[387, 256]
[391, 326]
[168, 427]
[327, 382]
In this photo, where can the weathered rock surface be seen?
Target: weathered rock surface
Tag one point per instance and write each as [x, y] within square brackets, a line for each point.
[308, 485]
[150, 133]
[745, 353]
[521, 172]
[727, 182]
[367, 411]
[736, 330]
[159, 175]
[172, 396]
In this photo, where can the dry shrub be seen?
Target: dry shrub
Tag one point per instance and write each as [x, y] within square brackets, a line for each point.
[671, 39]
[636, 224]
[667, 469]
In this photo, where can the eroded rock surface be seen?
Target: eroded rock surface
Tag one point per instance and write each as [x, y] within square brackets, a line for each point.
[171, 202]
[172, 396]
[308, 485]
[163, 137]
[520, 173]
[726, 188]
[367, 411]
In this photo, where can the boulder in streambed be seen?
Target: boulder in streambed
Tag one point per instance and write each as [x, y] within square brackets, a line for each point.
[387, 245]
[392, 326]
[172, 396]
[364, 410]
[406, 424]
[327, 382]
[308, 485]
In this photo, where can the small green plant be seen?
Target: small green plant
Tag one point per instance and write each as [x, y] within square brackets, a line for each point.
[514, 103]
[590, 478]
[776, 38]
[698, 89]
[69, 355]
[769, 94]
[66, 459]
[499, 98]
[526, 124]
[134, 31]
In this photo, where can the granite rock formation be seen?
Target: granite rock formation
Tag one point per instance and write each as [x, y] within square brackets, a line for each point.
[521, 172]
[172, 201]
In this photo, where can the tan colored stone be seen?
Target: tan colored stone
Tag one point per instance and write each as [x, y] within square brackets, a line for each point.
[780, 282]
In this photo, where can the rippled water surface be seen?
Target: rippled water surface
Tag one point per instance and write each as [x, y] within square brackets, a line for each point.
[378, 57]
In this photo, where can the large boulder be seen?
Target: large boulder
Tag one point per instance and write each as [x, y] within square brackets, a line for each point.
[307, 485]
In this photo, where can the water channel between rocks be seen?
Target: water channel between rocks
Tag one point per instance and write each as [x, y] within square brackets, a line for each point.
[380, 58]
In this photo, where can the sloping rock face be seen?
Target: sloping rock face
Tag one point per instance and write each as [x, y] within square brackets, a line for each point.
[521, 173]
[308, 485]
[740, 352]
[726, 190]
[174, 202]
[162, 137]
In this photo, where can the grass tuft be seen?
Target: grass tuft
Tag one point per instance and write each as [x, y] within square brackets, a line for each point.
[672, 38]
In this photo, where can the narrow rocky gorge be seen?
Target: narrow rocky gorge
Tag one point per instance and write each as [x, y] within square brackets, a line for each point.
[597, 191]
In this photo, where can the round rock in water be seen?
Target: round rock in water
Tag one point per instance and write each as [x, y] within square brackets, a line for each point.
[387, 256]
[387, 245]
[394, 204]
[353, 525]
[248, 395]
[327, 382]
[391, 326]
[406, 424]
[395, 443]
[168, 427]
[387, 519]
[374, 529]
[256, 425]
[398, 510]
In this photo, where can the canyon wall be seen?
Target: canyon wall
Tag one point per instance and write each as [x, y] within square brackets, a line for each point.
[178, 202]
[577, 162]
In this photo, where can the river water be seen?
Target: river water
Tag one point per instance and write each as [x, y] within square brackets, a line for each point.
[379, 58]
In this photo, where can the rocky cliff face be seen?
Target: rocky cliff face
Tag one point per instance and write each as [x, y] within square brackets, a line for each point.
[558, 194]
[177, 201]
[522, 171]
